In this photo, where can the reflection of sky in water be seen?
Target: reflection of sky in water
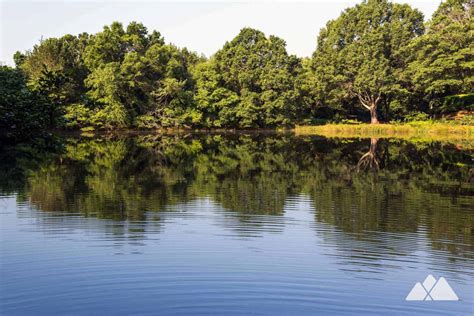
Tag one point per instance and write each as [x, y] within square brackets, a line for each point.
[264, 226]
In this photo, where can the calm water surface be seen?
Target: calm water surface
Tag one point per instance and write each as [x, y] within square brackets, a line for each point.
[233, 224]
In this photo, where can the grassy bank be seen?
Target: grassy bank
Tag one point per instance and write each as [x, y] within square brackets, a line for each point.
[389, 130]
[418, 130]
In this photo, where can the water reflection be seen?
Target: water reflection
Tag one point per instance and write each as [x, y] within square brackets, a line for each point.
[212, 212]
[410, 186]
[369, 159]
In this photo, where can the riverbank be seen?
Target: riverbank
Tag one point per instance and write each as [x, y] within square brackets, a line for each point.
[409, 130]
[422, 131]
[462, 136]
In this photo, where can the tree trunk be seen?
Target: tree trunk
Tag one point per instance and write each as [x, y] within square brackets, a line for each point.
[373, 114]
[370, 102]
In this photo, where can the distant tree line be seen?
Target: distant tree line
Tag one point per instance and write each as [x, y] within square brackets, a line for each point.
[376, 58]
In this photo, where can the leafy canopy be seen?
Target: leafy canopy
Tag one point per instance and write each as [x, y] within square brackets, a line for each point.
[441, 62]
[250, 82]
[358, 54]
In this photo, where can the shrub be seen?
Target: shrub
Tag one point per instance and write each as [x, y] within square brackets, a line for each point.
[417, 117]
[455, 103]
[147, 122]
[77, 116]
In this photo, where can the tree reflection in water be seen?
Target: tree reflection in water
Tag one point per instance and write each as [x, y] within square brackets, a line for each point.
[252, 177]
[369, 159]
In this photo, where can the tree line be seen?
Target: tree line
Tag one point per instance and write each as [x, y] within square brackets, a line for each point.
[377, 60]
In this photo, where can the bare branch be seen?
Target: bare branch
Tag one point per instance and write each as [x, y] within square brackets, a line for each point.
[363, 101]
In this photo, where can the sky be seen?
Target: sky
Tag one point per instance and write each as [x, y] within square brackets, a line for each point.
[200, 26]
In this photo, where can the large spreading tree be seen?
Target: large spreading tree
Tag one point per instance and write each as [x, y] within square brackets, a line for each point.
[250, 82]
[358, 54]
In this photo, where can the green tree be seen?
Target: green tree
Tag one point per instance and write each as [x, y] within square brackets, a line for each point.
[55, 70]
[105, 87]
[169, 88]
[19, 58]
[440, 63]
[358, 54]
[250, 82]
[375, 55]
[60, 58]
[137, 79]
[22, 111]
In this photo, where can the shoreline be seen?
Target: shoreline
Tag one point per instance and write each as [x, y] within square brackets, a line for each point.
[415, 131]
[407, 131]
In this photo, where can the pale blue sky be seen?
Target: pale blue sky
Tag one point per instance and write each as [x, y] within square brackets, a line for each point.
[201, 26]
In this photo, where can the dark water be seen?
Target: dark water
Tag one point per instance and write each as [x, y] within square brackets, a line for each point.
[233, 224]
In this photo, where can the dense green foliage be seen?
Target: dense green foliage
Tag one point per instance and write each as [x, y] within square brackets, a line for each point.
[22, 109]
[440, 68]
[358, 56]
[136, 79]
[250, 82]
[377, 56]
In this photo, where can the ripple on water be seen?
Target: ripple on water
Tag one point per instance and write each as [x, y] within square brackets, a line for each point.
[293, 229]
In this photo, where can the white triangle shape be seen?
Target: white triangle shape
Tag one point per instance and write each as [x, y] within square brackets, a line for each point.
[443, 292]
[428, 298]
[429, 282]
[417, 293]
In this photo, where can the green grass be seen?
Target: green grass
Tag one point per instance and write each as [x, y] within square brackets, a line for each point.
[421, 129]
